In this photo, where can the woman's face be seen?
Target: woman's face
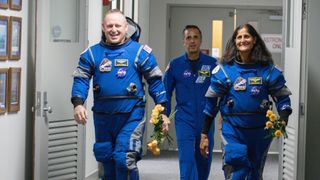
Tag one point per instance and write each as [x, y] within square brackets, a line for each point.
[244, 41]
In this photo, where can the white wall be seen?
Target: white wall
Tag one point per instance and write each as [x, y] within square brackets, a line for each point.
[13, 125]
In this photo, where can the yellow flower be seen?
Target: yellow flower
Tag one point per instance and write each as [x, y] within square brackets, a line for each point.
[155, 120]
[269, 112]
[273, 117]
[275, 126]
[269, 124]
[277, 133]
[153, 145]
[156, 152]
[159, 108]
[158, 136]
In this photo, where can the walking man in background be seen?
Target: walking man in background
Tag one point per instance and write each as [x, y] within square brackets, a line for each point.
[189, 76]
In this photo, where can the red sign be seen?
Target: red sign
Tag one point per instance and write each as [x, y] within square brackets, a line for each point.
[205, 51]
[105, 2]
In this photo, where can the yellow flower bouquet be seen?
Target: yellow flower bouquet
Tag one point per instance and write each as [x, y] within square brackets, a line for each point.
[158, 136]
[275, 125]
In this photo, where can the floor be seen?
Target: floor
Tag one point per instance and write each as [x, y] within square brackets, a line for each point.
[166, 167]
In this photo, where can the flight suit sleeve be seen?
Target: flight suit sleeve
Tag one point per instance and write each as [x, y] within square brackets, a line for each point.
[148, 66]
[280, 93]
[169, 84]
[218, 88]
[81, 78]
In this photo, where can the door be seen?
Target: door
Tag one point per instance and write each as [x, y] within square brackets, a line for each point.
[58, 140]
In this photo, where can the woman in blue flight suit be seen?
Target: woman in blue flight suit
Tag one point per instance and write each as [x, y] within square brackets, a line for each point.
[240, 88]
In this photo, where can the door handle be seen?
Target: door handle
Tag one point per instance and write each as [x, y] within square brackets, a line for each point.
[47, 109]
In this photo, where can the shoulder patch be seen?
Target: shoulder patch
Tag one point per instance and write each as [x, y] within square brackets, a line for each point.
[215, 70]
[147, 48]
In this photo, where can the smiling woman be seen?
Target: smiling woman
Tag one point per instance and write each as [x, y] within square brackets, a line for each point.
[240, 88]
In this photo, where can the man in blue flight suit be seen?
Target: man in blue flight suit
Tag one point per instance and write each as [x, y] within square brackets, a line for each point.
[189, 75]
[117, 65]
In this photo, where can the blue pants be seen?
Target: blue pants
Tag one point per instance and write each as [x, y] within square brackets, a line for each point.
[244, 152]
[193, 166]
[119, 143]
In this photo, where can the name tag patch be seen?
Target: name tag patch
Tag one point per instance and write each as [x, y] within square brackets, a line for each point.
[121, 62]
[255, 80]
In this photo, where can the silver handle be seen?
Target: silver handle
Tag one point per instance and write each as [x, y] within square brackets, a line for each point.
[48, 109]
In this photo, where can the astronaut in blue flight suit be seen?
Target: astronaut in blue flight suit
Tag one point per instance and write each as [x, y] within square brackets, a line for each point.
[189, 75]
[240, 89]
[117, 65]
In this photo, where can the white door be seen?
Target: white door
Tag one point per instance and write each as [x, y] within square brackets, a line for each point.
[60, 38]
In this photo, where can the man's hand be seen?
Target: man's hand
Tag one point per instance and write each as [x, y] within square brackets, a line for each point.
[80, 114]
[166, 123]
[204, 144]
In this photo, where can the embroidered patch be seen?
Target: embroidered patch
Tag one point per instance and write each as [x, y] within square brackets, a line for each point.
[215, 70]
[187, 73]
[121, 62]
[105, 65]
[147, 48]
[255, 90]
[121, 72]
[255, 80]
[239, 84]
[203, 73]
[201, 79]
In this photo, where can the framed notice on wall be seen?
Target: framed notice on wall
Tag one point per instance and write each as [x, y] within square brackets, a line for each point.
[4, 31]
[4, 4]
[15, 38]
[14, 86]
[15, 4]
[3, 90]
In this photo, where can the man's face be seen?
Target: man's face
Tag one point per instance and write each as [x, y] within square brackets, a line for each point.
[115, 27]
[192, 41]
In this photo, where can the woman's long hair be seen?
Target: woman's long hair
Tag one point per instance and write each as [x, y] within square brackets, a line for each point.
[259, 53]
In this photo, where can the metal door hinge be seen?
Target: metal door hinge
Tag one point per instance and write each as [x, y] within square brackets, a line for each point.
[302, 109]
[304, 10]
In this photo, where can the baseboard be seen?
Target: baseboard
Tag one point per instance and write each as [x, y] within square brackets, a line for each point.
[93, 175]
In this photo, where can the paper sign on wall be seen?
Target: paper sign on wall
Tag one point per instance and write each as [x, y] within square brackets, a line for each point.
[273, 42]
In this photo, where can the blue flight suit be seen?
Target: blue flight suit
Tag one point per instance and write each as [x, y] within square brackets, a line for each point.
[118, 108]
[190, 79]
[242, 93]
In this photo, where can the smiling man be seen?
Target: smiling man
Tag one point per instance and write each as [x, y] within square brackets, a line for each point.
[117, 65]
[189, 74]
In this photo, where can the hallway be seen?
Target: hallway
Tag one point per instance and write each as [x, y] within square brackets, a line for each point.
[166, 167]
